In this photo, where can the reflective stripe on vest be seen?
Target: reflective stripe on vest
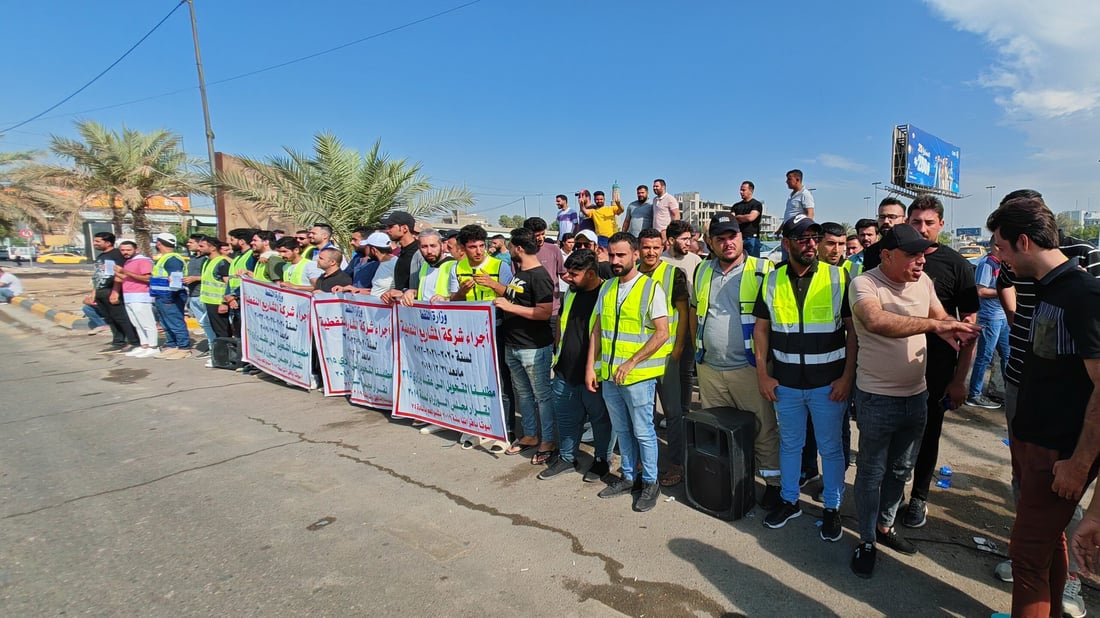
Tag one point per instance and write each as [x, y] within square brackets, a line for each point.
[566, 307]
[665, 275]
[211, 289]
[158, 279]
[491, 266]
[854, 267]
[750, 286]
[442, 282]
[624, 332]
[814, 333]
[296, 273]
[238, 266]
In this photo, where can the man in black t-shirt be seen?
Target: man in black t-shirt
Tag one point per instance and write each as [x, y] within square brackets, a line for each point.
[947, 367]
[748, 212]
[890, 212]
[572, 399]
[528, 341]
[124, 336]
[1056, 428]
[400, 226]
[328, 260]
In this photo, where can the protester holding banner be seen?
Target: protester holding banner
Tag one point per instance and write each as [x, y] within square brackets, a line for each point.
[528, 341]
[328, 260]
[400, 225]
[436, 280]
[298, 272]
[269, 266]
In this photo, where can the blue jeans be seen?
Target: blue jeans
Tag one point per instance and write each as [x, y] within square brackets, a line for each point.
[631, 409]
[94, 319]
[890, 429]
[530, 370]
[752, 247]
[669, 390]
[169, 310]
[993, 338]
[792, 408]
[572, 402]
[198, 311]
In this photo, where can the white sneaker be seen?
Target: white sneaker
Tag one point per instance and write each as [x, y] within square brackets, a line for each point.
[430, 429]
[209, 364]
[148, 353]
[1073, 605]
[1003, 571]
[136, 352]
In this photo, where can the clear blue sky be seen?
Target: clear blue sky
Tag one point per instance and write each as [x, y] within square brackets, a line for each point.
[517, 98]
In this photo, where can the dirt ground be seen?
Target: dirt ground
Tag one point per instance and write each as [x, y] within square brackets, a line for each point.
[59, 289]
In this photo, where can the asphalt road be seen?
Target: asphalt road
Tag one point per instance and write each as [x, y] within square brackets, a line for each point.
[148, 487]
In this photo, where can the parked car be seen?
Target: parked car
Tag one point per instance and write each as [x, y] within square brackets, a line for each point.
[971, 252]
[61, 257]
[4, 253]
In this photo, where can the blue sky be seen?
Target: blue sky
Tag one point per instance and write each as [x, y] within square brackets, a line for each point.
[518, 98]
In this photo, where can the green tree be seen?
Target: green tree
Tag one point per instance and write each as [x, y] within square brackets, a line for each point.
[124, 169]
[511, 221]
[340, 186]
[1067, 224]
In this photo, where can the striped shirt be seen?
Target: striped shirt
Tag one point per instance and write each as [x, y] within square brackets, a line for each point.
[1088, 257]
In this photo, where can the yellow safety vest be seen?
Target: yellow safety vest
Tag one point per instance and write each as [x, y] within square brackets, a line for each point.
[296, 273]
[491, 266]
[665, 276]
[750, 286]
[853, 267]
[237, 267]
[211, 289]
[260, 274]
[624, 332]
[563, 319]
[308, 251]
[442, 287]
[158, 280]
[814, 333]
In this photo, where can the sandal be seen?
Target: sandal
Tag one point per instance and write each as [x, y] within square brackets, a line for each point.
[672, 477]
[467, 441]
[495, 447]
[518, 447]
[541, 457]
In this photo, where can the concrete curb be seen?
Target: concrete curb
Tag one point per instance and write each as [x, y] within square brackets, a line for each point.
[61, 318]
[68, 320]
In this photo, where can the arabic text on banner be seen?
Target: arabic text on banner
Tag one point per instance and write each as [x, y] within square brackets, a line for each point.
[368, 348]
[275, 335]
[447, 367]
[328, 332]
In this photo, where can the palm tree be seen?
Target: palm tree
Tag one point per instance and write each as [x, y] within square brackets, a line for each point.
[339, 186]
[122, 169]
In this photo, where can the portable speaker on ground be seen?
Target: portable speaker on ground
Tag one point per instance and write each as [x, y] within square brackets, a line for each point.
[226, 353]
[718, 461]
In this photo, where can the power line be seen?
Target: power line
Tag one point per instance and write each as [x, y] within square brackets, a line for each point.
[245, 74]
[96, 78]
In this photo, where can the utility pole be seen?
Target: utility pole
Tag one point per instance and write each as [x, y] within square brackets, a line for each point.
[202, 88]
[867, 203]
[991, 188]
[876, 185]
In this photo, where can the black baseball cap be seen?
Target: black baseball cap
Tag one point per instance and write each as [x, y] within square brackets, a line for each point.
[905, 237]
[399, 217]
[722, 223]
[798, 225]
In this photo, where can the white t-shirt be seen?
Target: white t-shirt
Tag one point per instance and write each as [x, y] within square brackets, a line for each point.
[658, 308]
[11, 282]
[383, 278]
[798, 203]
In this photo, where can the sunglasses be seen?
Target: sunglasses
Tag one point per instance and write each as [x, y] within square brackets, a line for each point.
[805, 240]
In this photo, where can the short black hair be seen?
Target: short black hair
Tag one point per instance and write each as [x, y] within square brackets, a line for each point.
[626, 237]
[277, 231]
[646, 187]
[1025, 216]
[561, 196]
[197, 237]
[363, 231]
[749, 182]
[832, 228]
[567, 236]
[851, 237]
[472, 233]
[535, 224]
[926, 202]
[242, 233]
[797, 173]
[523, 238]
[648, 233]
[891, 201]
[265, 236]
[287, 242]
[581, 259]
[1028, 193]
[863, 224]
[595, 193]
[324, 226]
[677, 227]
[106, 237]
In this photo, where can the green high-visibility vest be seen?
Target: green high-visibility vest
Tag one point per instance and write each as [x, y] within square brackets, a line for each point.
[756, 269]
[158, 279]
[442, 287]
[814, 333]
[491, 266]
[623, 332]
[665, 276]
[566, 307]
[211, 289]
[296, 273]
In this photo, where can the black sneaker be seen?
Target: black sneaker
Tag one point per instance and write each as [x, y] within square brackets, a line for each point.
[982, 402]
[771, 498]
[598, 470]
[830, 526]
[916, 514]
[863, 561]
[895, 542]
[782, 514]
[619, 487]
[648, 498]
[806, 477]
[557, 466]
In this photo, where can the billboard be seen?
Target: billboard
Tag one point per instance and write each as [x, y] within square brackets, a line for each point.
[923, 161]
[968, 231]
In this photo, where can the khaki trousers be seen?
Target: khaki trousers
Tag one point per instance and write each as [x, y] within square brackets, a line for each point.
[738, 388]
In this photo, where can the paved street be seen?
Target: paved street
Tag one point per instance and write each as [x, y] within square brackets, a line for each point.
[148, 487]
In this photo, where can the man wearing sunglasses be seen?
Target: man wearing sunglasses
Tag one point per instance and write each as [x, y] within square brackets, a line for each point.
[890, 213]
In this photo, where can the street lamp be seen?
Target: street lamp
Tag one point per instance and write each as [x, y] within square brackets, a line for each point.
[867, 202]
[991, 188]
[876, 185]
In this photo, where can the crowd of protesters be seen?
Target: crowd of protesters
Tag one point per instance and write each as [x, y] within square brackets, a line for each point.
[882, 325]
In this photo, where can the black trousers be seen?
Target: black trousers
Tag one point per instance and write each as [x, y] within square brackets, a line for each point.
[939, 373]
[219, 322]
[122, 331]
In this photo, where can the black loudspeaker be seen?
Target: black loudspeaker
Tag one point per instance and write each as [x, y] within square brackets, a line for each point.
[718, 461]
[226, 353]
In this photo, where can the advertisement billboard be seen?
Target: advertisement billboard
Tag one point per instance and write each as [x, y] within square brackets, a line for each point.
[931, 162]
